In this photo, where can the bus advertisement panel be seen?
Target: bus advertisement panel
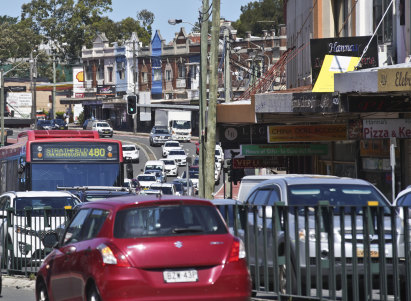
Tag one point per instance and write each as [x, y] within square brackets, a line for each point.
[46, 160]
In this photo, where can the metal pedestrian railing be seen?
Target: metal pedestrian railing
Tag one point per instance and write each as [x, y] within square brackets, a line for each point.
[322, 252]
[313, 252]
[28, 236]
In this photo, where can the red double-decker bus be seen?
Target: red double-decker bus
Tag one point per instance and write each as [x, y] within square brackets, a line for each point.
[45, 160]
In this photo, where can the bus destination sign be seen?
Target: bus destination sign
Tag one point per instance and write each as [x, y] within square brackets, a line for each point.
[74, 151]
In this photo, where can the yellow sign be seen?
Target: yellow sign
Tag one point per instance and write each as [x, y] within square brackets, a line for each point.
[297, 133]
[333, 64]
[396, 79]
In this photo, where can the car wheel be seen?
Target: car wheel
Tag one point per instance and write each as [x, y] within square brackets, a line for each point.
[282, 279]
[92, 294]
[42, 292]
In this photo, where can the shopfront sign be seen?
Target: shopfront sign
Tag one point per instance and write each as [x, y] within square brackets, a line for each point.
[239, 163]
[396, 79]
[107, 90]
[346, 46]
[386, 128]
[301, 133]
[315, 103]
[307, 149]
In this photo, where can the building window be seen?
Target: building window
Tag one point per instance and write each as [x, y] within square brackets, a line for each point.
[89, 72]
[156, 74]
[193, 71]
[110, 74]
[121, 70]
[181, 71]
[385, 30]
[144, 77]
[168, 75]
[100, 72]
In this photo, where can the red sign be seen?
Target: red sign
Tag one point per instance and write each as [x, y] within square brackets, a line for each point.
[239, 163]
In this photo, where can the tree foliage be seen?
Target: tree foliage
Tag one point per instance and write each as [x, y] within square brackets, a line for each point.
[146, 17]
[67, 26]
[255, 12]
[17, 39]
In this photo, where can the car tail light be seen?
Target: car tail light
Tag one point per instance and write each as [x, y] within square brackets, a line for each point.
[237, 251]
[112, 255]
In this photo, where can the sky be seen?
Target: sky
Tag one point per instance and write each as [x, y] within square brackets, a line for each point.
[163, 10]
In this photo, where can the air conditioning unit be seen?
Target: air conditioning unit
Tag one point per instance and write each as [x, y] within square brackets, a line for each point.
[89, 84]
[100, 82]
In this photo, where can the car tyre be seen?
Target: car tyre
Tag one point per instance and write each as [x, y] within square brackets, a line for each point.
[92, 294]
[283, 279]
[42, 292]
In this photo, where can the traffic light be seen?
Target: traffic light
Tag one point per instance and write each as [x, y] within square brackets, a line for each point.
[131, 104]
[228, 169]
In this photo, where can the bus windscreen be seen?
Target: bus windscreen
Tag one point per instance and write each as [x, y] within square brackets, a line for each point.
[49, 176]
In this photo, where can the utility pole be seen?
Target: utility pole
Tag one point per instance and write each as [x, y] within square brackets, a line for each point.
[227, 69]
[135, 87]
[2, 105]
[33, 77]
[203, 21]
[53, 116]
[211, 118]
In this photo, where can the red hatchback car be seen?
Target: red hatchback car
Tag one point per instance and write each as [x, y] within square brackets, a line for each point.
[146, 248]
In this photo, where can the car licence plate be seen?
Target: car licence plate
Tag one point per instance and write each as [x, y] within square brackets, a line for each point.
[180, 276]
[373, 253]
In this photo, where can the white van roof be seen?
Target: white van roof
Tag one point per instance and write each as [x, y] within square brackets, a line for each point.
[249, 182]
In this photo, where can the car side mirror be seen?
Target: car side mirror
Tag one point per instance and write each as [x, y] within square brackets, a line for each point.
[268, 212]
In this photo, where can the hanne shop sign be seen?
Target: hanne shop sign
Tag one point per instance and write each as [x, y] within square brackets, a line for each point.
[386, 128]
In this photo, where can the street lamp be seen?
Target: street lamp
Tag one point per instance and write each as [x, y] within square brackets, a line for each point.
[202, 91]
[2, 74]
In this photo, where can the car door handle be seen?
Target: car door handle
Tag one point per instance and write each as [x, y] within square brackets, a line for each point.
[70, 250]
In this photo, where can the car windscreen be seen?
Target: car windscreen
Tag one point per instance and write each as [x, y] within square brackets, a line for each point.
[59, 121]
[37, 205]
[172, 144]
[153, 167]
[168, 220]
[177, 153]
[337, 195]
[169, 162]
[146, 178]
[102, 124]
[161, 131]
[129, 148]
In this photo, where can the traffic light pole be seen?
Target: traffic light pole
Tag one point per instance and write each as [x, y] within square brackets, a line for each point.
[135, 86]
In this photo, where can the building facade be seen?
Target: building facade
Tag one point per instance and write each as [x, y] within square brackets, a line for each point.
[322, 122]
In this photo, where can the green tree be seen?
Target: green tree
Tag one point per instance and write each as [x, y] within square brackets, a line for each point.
[255, 13]
[146, 17]
[17, 39]
[65, 22]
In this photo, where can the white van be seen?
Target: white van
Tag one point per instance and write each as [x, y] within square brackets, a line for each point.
[249, 182]
[156, 165]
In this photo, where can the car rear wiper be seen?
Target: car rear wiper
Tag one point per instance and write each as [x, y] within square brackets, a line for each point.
[195, 229]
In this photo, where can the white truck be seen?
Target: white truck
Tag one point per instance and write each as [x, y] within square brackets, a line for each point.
[178, 122]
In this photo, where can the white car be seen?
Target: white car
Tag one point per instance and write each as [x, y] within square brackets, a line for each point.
[102, 127]
[31, 235]
[170, 166]
[179, 155]
[146, 180]
[219, 153]
[131, 153]
[166, 188]
[168, 145]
